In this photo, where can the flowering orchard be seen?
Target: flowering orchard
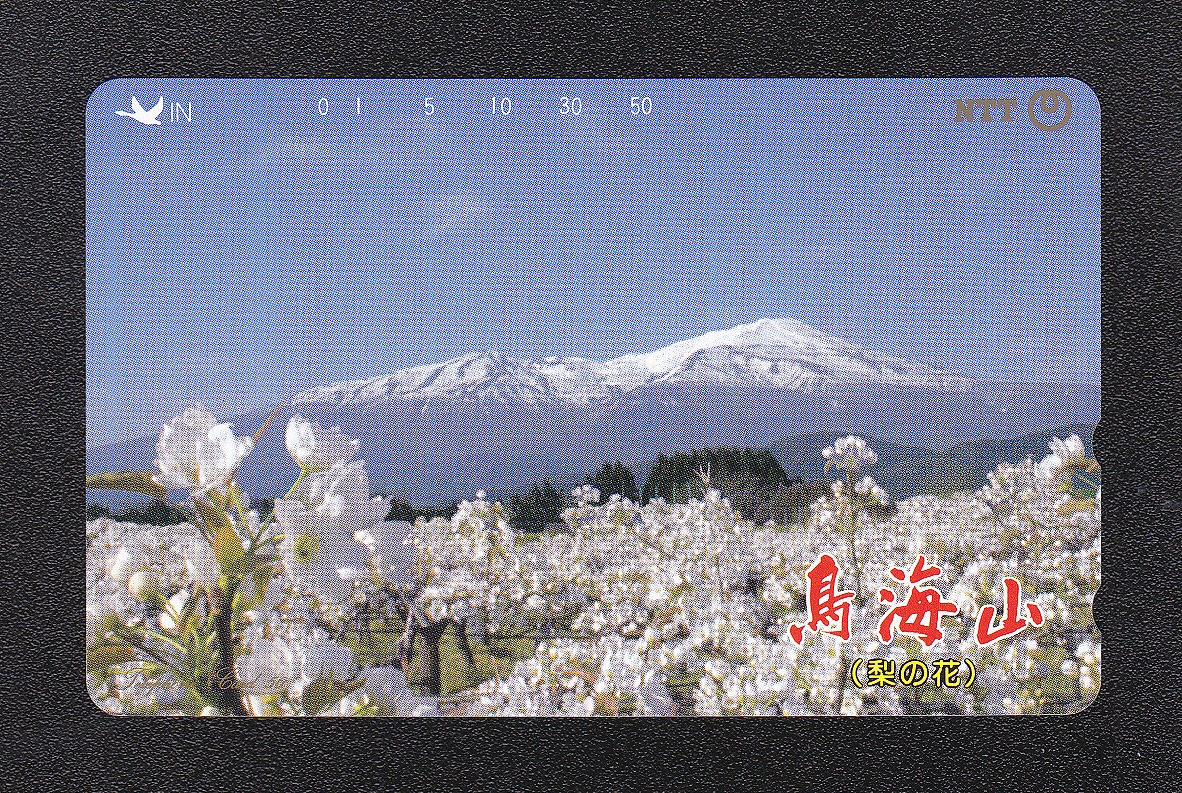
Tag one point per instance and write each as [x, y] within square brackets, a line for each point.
[969, 604]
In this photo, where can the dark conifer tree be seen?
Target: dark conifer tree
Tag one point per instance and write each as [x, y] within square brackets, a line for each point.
[538, 507]
[614, 478]
[748, 477]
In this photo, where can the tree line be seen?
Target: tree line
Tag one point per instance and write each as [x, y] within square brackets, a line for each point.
[752, 479]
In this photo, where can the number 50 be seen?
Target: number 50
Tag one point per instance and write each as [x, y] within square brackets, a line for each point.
[641, 105]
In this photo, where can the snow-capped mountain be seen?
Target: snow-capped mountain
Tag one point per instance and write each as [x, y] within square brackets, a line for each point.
[777, 353]
[487, 377]
[771, 353]
[495, 421]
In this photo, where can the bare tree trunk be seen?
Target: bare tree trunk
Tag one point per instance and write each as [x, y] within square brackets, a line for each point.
[462, 642]
[406, 643]
[431, 635]
[364, 633]
[225, 681]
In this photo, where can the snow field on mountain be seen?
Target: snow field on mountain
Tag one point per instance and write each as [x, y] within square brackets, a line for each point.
[777, 353]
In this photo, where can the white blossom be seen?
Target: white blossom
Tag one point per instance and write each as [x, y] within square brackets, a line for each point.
[1063, 453]
[637, 610]
[849, 453]
[197, 453]
[320, 526]
[315, 448]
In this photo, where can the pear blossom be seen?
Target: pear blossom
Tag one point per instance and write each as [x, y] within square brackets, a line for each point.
[200, 562]
[197, 453]
[386, 685]
[126, 563]
[176, 604]
[866, 486]
[437, 610]
[389, 554]
[317, 547]
[1063, 453]
[1070, 449]
[387, 688]
[330, 660]
[320, 527]
[660, 609]
[849, 453]
[269, 667]
[585, 494]
[315, 448]
[145, 586]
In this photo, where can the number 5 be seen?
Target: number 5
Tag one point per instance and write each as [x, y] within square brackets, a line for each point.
[429, 107]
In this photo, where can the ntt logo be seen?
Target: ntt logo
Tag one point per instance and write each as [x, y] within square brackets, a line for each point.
[1049, 110]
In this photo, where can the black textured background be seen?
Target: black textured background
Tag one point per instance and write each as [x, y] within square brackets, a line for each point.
[54, 56]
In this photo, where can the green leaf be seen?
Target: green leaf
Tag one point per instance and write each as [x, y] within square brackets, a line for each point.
[218, 498]
[101, 657]
[189, 617]
[324, 693]
[127, 481]
[235, 497]
[262, 577]
[227, 547]
[1058, 687]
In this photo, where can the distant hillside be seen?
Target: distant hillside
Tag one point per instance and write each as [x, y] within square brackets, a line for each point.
[907, 470]
[435, 433]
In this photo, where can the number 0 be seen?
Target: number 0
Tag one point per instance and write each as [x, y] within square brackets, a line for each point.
[322, 106]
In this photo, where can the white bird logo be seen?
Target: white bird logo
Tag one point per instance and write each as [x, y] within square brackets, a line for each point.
[141, 115]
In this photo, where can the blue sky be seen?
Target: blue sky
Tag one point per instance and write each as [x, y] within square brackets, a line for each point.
[263, 248]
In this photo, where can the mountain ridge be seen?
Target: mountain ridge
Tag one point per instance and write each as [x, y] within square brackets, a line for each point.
[494, 421]
[776, 353]
[907, 470]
